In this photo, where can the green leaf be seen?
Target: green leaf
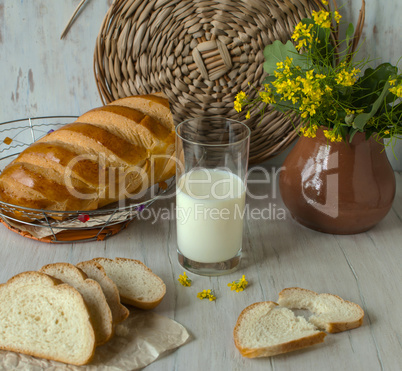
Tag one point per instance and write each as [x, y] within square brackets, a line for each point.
[268, 79]
[277, 52]
[352, 134]
[350, 33]
[373, 81]
[362, 119]
[285, 106]
[368, 134]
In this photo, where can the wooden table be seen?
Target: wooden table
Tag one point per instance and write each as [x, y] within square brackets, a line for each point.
[364, 268]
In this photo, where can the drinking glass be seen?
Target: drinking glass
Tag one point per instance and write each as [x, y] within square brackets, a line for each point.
[211, 171]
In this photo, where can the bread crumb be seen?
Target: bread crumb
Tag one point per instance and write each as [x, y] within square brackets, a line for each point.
[122, 331]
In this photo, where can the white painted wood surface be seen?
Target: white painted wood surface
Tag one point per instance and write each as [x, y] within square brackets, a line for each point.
[364, 268]
[41, 75]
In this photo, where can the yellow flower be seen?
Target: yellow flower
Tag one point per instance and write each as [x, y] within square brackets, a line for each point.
[347, 78]
[241, 96]
[206, 294]
[397, 90]
[309, 132]
[266, 97]
[332, 136]
[240, 101]
[239, 285]
[302, 34]
[248, 115]
[322, 18]
[337, 16]
[386, 132]
[184, 280]
[325, 2]
[392, 82]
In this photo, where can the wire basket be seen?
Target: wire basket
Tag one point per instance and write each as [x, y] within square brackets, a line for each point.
[64, 226]
[200, 54]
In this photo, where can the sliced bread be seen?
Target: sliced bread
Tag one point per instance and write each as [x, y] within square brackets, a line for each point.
[41, 317]
[331, 313]
[265, 329]
[100, 313]
[96, 272]
[137, 284]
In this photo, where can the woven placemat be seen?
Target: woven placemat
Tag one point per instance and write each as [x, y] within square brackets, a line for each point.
[200, 54]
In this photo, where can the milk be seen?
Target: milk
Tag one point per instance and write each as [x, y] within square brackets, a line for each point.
[210, 209]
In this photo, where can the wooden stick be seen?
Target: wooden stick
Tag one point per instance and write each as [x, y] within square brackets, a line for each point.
[70, 22]
[358, 31]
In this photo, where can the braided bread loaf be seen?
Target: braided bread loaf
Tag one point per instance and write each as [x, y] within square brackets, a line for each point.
[107, 154]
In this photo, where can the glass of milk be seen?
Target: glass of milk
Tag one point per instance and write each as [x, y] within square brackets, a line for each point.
[212, 157]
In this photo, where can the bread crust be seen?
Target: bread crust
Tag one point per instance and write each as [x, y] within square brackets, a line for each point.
[331, 327]
[84, 165]
[274, 349]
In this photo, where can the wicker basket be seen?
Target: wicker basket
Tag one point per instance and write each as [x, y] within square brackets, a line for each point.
[200, 54]
[65, 226]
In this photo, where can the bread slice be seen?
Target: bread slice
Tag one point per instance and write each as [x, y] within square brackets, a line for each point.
[100, 313]
[41, 317]
[265, 329]
[137, 284]
[331, 313]
[96, 272]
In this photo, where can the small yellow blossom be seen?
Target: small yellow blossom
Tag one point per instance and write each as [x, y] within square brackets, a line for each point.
[337, 16]
[303, 35]
[241, 96]
[392, 82]
[184, 280]
[386, 132]
[237, 106]
[397, 90]
[240, 100]
[325, 2]
[239, 285]
[266, 97]
[309, 132]
[322, 18]
[206, 294]
[248, 115]
[332, 136]
[347, 78]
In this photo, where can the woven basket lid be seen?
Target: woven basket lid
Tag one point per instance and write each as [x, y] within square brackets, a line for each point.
[200, 54]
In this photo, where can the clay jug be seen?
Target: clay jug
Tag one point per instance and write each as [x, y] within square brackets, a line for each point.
[337, 187]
